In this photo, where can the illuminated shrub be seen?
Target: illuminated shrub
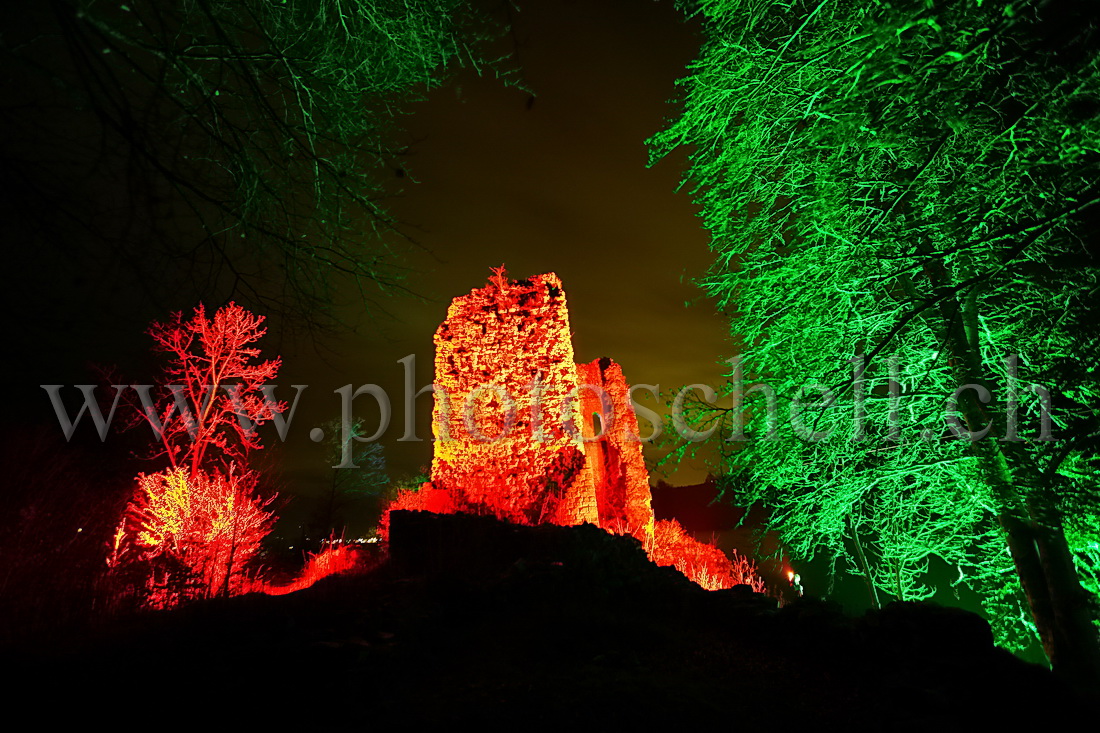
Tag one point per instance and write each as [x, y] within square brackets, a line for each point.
[1084, 541]
[193, 536]
[703, 563]
[330, 561]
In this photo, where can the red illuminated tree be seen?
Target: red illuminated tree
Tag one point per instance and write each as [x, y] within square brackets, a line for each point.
[212, 389]
[190, 530]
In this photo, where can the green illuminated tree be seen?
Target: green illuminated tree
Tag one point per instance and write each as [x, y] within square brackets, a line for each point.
[234, 149]
[907, 189]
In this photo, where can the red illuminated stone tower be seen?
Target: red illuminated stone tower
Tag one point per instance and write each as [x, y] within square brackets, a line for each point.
[523, 432]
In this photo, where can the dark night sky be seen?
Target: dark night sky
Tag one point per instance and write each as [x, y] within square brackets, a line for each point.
[561, 186]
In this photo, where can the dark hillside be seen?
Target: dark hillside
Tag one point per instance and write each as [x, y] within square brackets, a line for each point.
[476, 620]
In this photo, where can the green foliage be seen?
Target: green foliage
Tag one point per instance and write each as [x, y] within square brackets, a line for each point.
[911, 181]
[411, 482]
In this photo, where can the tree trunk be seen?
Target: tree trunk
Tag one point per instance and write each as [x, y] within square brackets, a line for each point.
[1059, 605]
[1040, 553]
[1075, 642]
[864, 565]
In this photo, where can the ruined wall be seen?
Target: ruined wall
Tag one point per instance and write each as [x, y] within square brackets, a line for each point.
[612, 450]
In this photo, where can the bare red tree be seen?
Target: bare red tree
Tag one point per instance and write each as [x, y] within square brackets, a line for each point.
[212, 397]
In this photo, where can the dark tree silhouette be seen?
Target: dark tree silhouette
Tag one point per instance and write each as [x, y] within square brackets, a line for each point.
[219, 149]
[365, 478]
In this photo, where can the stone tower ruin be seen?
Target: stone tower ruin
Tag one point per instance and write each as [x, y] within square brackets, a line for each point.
[522, 431]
